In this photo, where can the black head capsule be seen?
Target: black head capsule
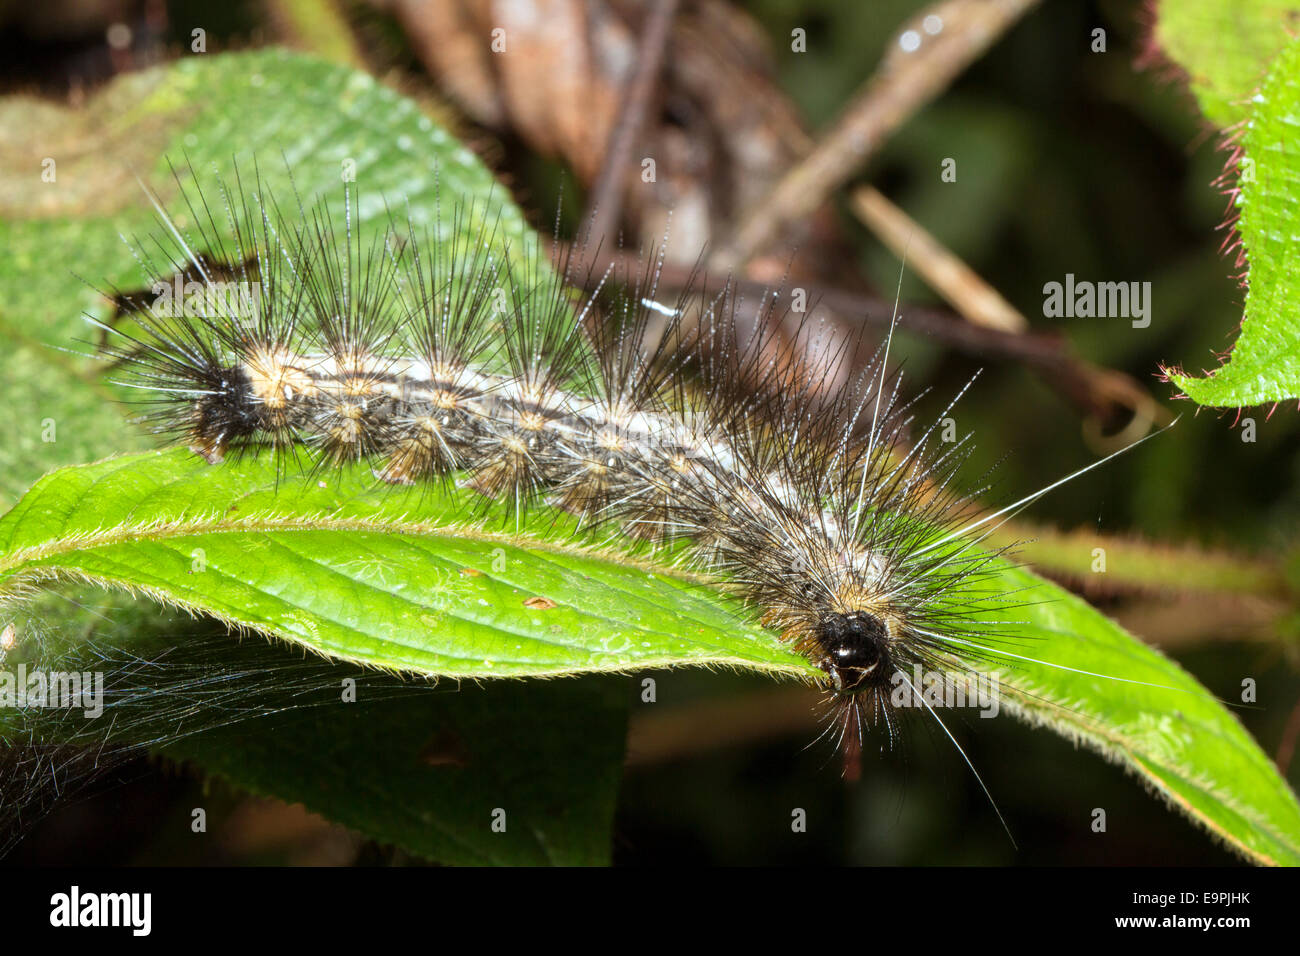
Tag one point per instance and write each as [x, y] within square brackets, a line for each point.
[855, 650]
[227, 412]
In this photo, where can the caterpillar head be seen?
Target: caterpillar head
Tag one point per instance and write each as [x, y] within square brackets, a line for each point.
[833, 609]
[223, 414]
[855, 649]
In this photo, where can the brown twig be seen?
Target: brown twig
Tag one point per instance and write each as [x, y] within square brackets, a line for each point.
[1108, 398]
[939, 324]
[605, 205]
[908, 78]
[1134, 565]
[1195, 620]
[658, 734]
[959, 284]
[1107, 395]
[1290, 734]
[1096, 390]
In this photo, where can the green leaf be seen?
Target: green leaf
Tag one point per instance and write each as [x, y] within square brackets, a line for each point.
[398, 578]
[432, 772]
[412, 764]
[1148, 715]
[1265, 362]
[1225, 46]
[403, 578]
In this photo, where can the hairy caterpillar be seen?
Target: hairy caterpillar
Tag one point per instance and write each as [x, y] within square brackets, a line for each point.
[676, 424]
